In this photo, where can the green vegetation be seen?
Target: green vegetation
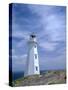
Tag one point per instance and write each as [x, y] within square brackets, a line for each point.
[48, 78]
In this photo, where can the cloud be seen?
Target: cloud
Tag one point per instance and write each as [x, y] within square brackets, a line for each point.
[54, 63]
[20, 34]
[48, 46]
[56, 28]
[18, 62]
[53, 25]
[49, 24]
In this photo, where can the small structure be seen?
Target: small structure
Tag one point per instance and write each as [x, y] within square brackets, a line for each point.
[32, 63]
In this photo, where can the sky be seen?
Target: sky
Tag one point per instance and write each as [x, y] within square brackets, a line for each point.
[49, 25]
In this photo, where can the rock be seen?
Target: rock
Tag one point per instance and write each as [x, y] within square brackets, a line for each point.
[48, 78]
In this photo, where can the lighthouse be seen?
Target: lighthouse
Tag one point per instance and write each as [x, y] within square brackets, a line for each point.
[32, 62]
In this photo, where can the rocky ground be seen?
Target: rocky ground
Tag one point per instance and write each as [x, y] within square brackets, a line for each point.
[50, 77]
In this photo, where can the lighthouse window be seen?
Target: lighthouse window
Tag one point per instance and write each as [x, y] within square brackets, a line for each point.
[35, 46]
[36, 68]
[35, 56]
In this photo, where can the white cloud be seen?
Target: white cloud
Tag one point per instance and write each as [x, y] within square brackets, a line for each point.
[18, 62]
[20, 34]
[53, 63]
[52, 27]
[48, 46]
[52, 23]
[19, 56]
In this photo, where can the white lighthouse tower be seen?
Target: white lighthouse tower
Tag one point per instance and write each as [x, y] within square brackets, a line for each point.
[32, 63]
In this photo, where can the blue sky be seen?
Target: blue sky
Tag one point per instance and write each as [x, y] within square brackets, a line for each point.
[49, 25]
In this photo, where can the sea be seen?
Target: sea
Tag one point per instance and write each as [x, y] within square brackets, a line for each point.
[17, 75]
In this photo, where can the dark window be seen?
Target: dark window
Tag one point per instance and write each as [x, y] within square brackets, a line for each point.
[35, 46]
[35, 56]
[36, 68]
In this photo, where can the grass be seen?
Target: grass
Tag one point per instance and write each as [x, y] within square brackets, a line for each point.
[48, 78]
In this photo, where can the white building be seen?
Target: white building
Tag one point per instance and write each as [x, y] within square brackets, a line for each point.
[32, 63]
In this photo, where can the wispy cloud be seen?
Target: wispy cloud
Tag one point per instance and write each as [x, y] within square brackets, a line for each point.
[49, 24]
[48, 46]
[19, 62]
[20, 34]
[53, 25]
